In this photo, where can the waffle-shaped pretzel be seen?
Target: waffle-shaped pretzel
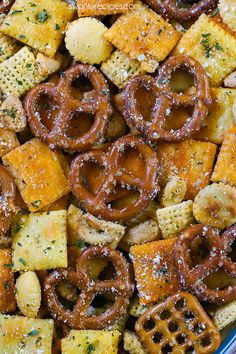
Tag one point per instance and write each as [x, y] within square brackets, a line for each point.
[98, 204]
[191, 277]
[179, 325]
[166, 99]
[120, 286]
[170, 9]
[65, 106]
[5, 6]
[7, 207]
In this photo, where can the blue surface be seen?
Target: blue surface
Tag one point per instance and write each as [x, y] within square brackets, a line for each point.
[229, 344]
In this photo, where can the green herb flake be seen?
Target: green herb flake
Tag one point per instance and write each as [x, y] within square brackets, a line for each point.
[90, 348]
[22, 36]
[21, 260]
[218, 46]
[43, 16]
[15, 12]
[8, 265]
[57, 27]
[215, 12]
[10, 112]
[33, 333]
[7, 285]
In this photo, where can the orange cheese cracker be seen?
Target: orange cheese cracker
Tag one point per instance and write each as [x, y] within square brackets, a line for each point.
[154, 270]
[191, 160]
[7, 299]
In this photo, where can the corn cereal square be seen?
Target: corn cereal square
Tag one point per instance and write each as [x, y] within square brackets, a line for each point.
[212, 46]
[225, 168]
[154, 270]
[38, 174]
[225, 315]
[102, 7]
[39, 24]
[39, 241]
[191, 160]
[221, 117]
[8, 47]
[140, 33]
[20, 334]
[7, 284]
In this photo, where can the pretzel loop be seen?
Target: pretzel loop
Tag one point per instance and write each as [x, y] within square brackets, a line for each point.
[98, 205]
[170, 9]
[5, 6]
[68, 107]
[166, 100]
[191, 277]
[120, 286]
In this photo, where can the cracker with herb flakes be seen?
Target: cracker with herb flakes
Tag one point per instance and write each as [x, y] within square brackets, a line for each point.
[39, 24]
[140, 33]
[8, 47]
[154, 270]
[20, 334]
[12, 114]
[37, 173]
[39, 241]
[7, 299]
[8, 141]
[212, 45]
[91, 341]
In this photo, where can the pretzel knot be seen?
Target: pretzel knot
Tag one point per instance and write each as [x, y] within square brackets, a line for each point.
[5, 6]
[166, 99]
[191, 277]
[120, 286]
[7, 207]
[170, 9]
[100, 204]
[65, 104]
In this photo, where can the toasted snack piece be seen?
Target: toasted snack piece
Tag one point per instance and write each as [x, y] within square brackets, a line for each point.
[174, 192]
[8, 141]
[7, 299]
[85, 41]
[221, 117]
[102, 7]
[38, 174]
[225, 315]
[215, 205]
[230, 80]
[25, 335]
[40, 25]
[225, 168]
[119, 68]
[48, 66]
[144, 232]
[132, 343]
[154, 269]
[227, 9]
[212, 45]
[175, 218]
[12, 114]
[8, 47]
[136, 309]
[191, 160]
[180, 324]
[39, 241]
[28, 294]
[89, 341]
[140, 33]
[60, 204]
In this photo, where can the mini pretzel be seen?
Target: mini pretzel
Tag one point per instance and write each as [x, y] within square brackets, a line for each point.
[191, 277]
[178, 325]
[68, 106]
[7, 207]
[5, 6]
[98, 204]
[166, 99]
[170, 9]
[120, 286]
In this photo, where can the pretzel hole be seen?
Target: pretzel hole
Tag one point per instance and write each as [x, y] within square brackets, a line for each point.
[189, 316]
[80, 124]
[199, 328]
[180, 304]
[145, 102]
[165, 314]
[149, 325]
[173, 327]
[93, 176]
[181, 80]
[206, 341]
[132, 162]
[181, 339]
[158, 337]
[176, 117]
[232, 253]
[190, 350]
[121, 202]
[166, 349]
[102, 302]
[82, 84]
[199, 250]
[218, 280]
[48, 110]
[67, 294]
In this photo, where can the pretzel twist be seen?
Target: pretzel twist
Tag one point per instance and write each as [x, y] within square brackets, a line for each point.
[5, 6]
[98, 204]
[120, 286]
[166, 99]
[170, 9]
[68, 107]
[192, 278]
